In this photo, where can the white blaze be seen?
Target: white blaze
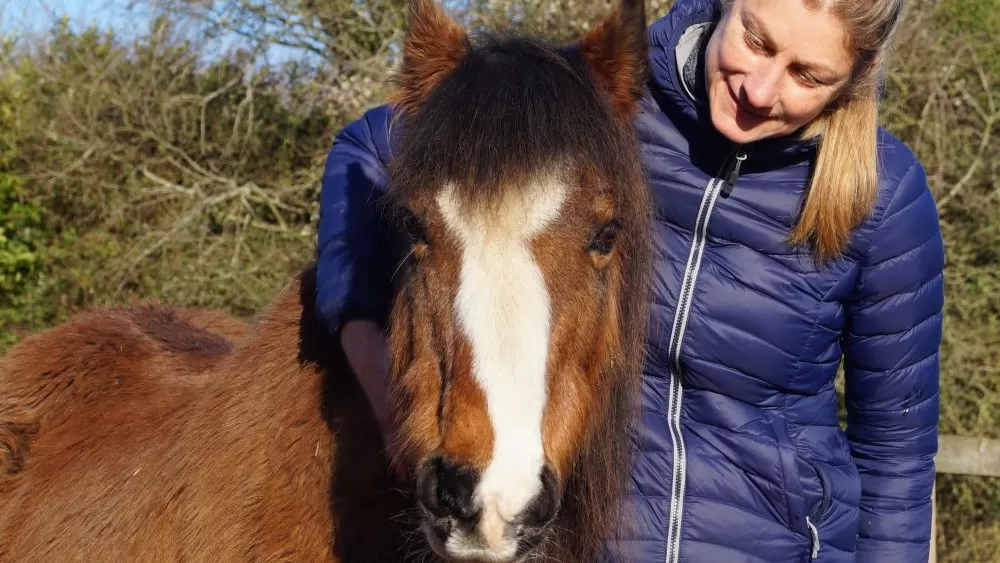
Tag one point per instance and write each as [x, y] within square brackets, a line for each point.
[503, 310]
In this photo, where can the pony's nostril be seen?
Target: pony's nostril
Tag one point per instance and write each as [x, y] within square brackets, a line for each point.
[545, 505]
[426, 484]
[446, 489]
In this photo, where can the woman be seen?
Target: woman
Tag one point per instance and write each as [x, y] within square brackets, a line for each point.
[792, 232]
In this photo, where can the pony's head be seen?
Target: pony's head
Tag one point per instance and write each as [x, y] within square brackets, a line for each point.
[516, 334]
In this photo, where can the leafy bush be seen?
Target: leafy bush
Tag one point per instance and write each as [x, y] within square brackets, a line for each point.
[978, 21]
[945, 102]
[20, 236]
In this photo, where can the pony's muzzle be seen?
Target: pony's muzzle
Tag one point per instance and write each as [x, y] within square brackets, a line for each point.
[459, 527]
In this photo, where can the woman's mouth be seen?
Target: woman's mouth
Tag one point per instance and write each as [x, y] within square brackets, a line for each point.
[747, 111]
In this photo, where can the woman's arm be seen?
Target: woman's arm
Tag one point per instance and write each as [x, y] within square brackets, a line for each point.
[353, 291]
[350, 252]
[892, 375]
[365, 347]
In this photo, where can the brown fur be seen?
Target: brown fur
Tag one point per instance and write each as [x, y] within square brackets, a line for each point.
[178, 449]
[148, 433]
[608, 47]
[46, 377]
[437, 44]
[465, 424]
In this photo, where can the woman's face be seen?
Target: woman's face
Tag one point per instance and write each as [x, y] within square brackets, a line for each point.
[772, 66]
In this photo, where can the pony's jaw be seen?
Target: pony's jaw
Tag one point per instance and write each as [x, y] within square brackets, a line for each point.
[502, 309]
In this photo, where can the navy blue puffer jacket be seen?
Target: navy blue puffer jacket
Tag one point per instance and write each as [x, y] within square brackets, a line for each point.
[741, 457]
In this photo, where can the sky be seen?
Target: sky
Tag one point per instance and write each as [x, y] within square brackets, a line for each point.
[31, 17]
[37, 15]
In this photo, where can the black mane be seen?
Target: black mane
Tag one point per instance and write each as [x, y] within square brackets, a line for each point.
[514, 108]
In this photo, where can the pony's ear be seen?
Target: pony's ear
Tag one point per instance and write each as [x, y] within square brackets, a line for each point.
[616, 51]
[433, 47]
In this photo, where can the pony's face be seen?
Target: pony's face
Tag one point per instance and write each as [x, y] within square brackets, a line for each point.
[510, 314]
[509, 310]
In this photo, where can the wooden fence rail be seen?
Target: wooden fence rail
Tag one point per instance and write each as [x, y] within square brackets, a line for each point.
[963, 455]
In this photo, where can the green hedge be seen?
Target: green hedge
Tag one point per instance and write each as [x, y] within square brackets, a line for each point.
[21, 236]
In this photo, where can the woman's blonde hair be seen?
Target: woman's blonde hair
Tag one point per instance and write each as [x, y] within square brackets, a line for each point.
[844, 182]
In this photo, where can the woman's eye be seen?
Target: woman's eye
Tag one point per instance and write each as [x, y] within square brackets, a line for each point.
[604, 240]
[753, 41]
[805, 78]
[808, 80]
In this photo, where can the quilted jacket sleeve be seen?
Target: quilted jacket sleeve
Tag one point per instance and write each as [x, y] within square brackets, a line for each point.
[351, 249]
[892, 375]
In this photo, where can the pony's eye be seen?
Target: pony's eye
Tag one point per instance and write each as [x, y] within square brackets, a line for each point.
[605, 237]
[414, 227]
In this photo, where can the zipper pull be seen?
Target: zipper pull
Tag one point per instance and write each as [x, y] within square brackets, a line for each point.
[814, 540]
[734, 173]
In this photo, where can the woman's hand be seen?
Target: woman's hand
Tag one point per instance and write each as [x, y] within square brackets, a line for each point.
[364, 345]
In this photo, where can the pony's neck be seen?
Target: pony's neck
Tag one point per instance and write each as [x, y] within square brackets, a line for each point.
[369, 508]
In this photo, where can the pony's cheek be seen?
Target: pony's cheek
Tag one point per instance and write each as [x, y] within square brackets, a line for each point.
[416, 394]
[565, 419]
[468, 431]
[585, 341]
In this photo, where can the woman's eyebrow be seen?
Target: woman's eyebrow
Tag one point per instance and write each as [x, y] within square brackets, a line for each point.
[755, 25]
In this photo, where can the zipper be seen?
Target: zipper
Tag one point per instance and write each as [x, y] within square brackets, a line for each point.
[731, 171]
[821, 512]
[728, 174]
[814, 540]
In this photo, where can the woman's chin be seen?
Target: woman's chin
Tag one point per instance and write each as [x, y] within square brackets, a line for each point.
[734, 131]
[743, 129]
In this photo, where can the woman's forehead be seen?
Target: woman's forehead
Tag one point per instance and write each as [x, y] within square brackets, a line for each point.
[808, 31]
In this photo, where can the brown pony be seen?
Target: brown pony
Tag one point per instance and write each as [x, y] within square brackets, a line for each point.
[146, 433]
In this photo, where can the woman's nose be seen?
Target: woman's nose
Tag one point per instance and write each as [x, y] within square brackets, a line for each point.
[760, 88]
